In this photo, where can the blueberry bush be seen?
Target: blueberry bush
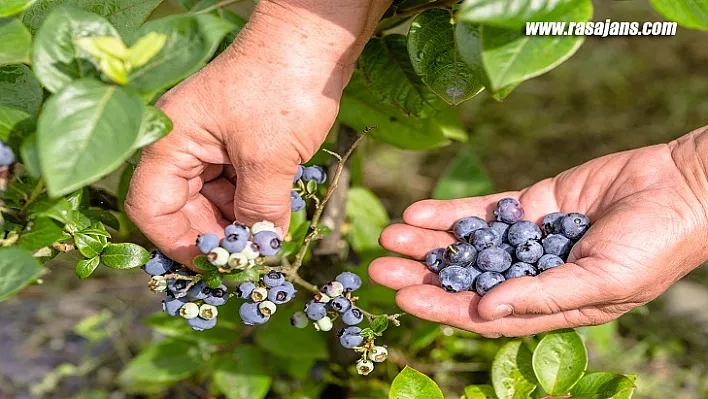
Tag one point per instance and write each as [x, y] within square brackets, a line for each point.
[78, 80]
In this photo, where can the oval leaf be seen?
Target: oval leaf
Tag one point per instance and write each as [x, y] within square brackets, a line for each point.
[40, 233]
[85, 267]
[30, 157]
[303, 343]
[166, 362]
[559, 361]
[479, 392]
[57, 209]
[124, 256]
[513, 14]
[412, 384]
[464, 177]
[90, 245]
[85, 131]
[12, 7]
[368, 218]
[15, 42]
[17, 269]
[435, 58]
[243, 374]
[19, 89]
[688, 13]
[212, 278]
[512, 372]
[603, 386]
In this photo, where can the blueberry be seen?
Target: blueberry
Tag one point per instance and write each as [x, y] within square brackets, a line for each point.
[509, 210]
[557, 244]
[299, 320]
[333, 289]
[434, 260]
[350, 341]
[218, 256]
[574, 225]
[158, 264]
[273, 278]
[315, 173]
[460, 254]
[176, 286]
[238, 229]
[172, 305]
[455, 278]
[245, 289]
[324, 324]
[296, 202]
[508, 248]
[268, 242]
[207, 242]
[464, 228]
[340, 304]
[199, 290]
[488, 280]
[218, 296]
[474, 272]
[199, 324]
[551, 223]
[520, 269]
[189, 310]
[250, 315]
[351, 330]
[485, 238]
[263, 225]
[282, 293]
[315, 310]
[493, 259]
[501, 228]
[353, 316]
[548, 261]
[298, 174]
[235, 242]
[529, 252]
[350, 281]
[523, 231]
[7, 157]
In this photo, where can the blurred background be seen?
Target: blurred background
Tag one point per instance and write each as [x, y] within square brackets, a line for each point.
[71, 340]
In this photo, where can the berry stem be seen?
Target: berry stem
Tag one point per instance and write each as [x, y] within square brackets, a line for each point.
[393, 318]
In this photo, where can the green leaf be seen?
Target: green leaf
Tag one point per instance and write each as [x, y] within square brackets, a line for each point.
[166, 362]
[303, 343]
[435, 58]
[603, 385]
[85, 267]
[124, 256]
[380, 324]
[512, 372]
[479, 392]
[212, 278]
[40, 233]
[90, 245]
[388, 71]
[368, 218]
[193, 39]
[559, 361]
[17, 270]
[513, 14]
[15, 42]
[30, 156]
[688, 13]
[311, 186]
[19, 89]
[243, 374]
[154, 126]
[14, 124]
[12, 7]
[104, 216]
[85, 131]
[464, 177]
[145, 48]
[224, 333]
[412, 384]
[242, 276]
[56, 59]
[58, 209]
[203, 263]
[238, 24]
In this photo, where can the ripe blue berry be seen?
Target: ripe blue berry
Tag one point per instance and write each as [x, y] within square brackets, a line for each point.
[352, 316]
[299, 320]
[282, 293]
[199, 324]
[493, 259]
[173, 305]
[245, 289]
[460, 254]
[548, 261]
[218, 296]
[350, 281]
[340, 304]
[501, 228]
[207, 242]
[523, 231]
[574, 225]
[557, 244]
[485, 238]
[488, 280]
[529, 252]
[268, 242]
[551, 223]
[509, 210]
[434, 260]
[464, 228]
[199, 290]
[296, 202]
[7, 157]
[176, 286]
[250, 315]
[315, 173]
[508, 248]
[520, 269]
[235, 242]
[455, 279]
[238, 229]
[350, 340]
[474, 272]
[298, 174]
[158, 264]
[273, 278]
[315, 310]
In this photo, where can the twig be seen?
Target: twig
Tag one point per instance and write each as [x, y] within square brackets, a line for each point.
[404, 13]
[220, 4]
[393, 318]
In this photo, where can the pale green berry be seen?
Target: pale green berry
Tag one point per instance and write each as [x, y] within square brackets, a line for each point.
[378, 354]
[218, 256]
[208, 312]
[364, 367]
[323, 324]
[189, 310]
[251, 251]
[334, 288]
[262, 226]
[267, 308]
[238, 260]
[259, 294]
[158, 284]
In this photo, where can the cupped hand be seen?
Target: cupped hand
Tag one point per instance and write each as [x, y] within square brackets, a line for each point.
[648, 209]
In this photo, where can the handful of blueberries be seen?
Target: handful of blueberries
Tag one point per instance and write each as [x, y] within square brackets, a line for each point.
[488, 254]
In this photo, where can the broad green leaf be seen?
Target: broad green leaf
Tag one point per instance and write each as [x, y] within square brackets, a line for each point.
[103, 47]
[30, 156]
[513, 14]
[104, 216]
[480, 392]
[464, 177]
[242, 374]
[436, 59]
[154, 126]
[56, 59]
[242, 276]
[58, 209]
[145, 48]
[380, 324]
[12, 7]
[368, 218]
[212, 278]
[603, 385]
[193, 39]
[15, 42]
[512, 372]
[688, 13]
[85, 131]
[17, 269]
[238, 24]
[14, 124]
[203, 263]
[166, 362]
[388, 71]
[412, 384]
[19, 89]
[90, 245]
[95, 327]
[40, 233]
[224, 333]
[559, 361]
[124, 256]
[301, 343]
[125, 15]
[85, 267]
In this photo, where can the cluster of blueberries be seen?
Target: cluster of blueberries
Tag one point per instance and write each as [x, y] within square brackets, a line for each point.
[7, 157]
[305, 174]
[262, 297]
[487, 254]
[241, 246]
[333, 299]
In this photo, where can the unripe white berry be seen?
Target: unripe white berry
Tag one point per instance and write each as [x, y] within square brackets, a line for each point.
[251, 251]
[262, 226]
[324, 324]
[364, 367]
[259, 294]
[238, 260]
[157, 284]
[378, 354]
[218, 256]
[189, 310]
[267, 308]
[208, 312]
[334, 288]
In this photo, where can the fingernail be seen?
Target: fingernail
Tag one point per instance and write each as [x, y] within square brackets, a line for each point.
[502, 311]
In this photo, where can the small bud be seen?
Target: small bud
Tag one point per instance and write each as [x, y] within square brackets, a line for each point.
[208, 312]
[267, 308]
[157, 284]
[259, 294]
[189, 310]
[323, 324]
[238, 260]
[333, 288]
[378, 354]
[251, 251]
[218, 256]
[262, 226]
[364, 367]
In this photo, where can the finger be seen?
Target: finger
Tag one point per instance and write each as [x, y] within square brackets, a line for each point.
[221, 193]
[413, 241]
[397, 273]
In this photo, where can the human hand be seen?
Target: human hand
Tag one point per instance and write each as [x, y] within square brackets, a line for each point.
[648, 209]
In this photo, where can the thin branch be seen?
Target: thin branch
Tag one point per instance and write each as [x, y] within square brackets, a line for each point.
[393, 318]
[220, 4]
